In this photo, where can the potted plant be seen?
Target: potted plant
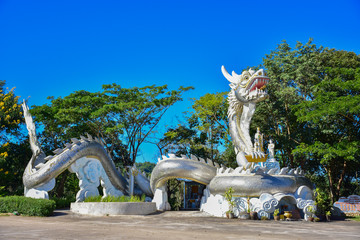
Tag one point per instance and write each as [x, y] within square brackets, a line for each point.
[328, 216]
[246, 215]
[276, 215]
[229, 198]
[312, 213]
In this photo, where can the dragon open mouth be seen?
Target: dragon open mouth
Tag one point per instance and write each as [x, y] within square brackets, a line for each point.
[257, 83]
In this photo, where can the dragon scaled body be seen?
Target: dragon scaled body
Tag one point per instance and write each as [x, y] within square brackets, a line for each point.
[41, 171]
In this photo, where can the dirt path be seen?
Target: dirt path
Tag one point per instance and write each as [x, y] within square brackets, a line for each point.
[168, 225]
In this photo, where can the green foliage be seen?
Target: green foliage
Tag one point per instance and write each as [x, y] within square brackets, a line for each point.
[10, 113]
[334, 116]
[312, 113]
[322, 201]
[175, 194]
[146, 167]
[12, 167]
[27, 206]
[97, 198]
[354, 218]
[229, 198]
[14, 150]
[205, 132]
[110, 198]
[276, 212]
[123, 117]
[229, 194]
[311, 210]
[64, 202]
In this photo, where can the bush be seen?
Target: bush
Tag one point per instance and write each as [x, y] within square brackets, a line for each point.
[115, 199]
[63, 202]
[27, 206]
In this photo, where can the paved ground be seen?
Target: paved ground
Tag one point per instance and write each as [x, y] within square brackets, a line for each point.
[168, 225]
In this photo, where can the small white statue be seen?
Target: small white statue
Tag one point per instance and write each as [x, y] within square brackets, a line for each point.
[258, 141]
[271, 148]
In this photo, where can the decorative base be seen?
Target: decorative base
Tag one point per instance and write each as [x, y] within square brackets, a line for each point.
[264, 205]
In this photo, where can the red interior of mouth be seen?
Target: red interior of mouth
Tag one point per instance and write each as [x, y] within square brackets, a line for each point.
[261, 82]
[257, 86]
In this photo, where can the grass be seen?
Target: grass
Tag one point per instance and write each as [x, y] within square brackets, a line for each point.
[115, 199]
[354, 218]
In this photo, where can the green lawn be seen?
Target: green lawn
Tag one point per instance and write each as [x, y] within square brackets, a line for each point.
[355, 218]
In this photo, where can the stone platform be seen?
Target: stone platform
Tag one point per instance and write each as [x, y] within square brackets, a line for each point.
[113, 208]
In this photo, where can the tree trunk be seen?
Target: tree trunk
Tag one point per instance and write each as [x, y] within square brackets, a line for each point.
[60, 187]
[341, 179]
[331, 184]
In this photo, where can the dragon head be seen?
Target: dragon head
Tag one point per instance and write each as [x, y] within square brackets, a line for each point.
[249, 86]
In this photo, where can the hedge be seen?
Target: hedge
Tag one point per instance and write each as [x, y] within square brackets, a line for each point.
[115, 199]
[27, 206]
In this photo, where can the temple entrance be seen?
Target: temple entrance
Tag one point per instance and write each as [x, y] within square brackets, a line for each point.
[193, 193]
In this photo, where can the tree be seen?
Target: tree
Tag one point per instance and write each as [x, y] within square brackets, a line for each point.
[146, 167]
[10, 113]
[14, 150]
[205, 133]
[292, 74]
[136, 112]
[313, 112]
[334, 114]
[123, 118]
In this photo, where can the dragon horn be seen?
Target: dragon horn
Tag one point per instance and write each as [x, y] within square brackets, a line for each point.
[228, 76]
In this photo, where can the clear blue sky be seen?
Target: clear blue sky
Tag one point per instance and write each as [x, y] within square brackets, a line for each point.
[53, 48]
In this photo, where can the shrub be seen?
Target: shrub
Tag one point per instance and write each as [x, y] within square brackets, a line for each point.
[63, 202]
[27, 206]
[115, 199]
[276, 212]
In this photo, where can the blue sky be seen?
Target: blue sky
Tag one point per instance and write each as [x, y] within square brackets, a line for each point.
[53, 48]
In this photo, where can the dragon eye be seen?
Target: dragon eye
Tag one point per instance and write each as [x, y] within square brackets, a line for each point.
[260, 73]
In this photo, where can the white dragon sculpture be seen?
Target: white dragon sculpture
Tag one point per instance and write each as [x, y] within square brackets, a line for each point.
[266, 183]
[247, 89]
